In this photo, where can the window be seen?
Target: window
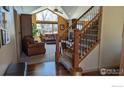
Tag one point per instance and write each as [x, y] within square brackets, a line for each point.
[55, 28]
[47, 28]
[46, 15]
[47, 22]
[79, 26]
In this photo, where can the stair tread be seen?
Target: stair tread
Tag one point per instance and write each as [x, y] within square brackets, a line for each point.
[88, 40]
[66, 61]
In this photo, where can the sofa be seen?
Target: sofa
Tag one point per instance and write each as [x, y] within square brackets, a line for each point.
[31, 47]
[50, 38]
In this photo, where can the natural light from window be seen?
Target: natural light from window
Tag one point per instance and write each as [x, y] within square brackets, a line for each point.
[47, 22]
[46, 15]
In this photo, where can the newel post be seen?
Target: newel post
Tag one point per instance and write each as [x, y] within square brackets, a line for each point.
[57, 53]
[76, 48]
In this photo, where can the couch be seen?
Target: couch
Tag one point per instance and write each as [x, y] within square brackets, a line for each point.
[50, 38]
[31, 47]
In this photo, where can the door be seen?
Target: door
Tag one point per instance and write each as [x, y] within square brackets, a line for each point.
[17, 34]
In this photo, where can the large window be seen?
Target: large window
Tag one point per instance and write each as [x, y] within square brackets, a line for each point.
[46, 15]
[47, 28]
[47, 22]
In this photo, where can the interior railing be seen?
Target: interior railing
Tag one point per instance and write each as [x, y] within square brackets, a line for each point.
[80, 23]
[90, 35]
[82, 36]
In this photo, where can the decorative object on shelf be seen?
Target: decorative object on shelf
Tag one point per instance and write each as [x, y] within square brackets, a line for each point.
[0, 18]
[74, 22]
[4, 24]
[0, 39]
[6, 8]
[62, 26]
[5, 37]
[0, 26]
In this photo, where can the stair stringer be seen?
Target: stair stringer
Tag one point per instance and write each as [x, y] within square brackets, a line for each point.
[91, 61]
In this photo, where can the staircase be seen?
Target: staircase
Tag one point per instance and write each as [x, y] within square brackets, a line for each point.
[81, 40]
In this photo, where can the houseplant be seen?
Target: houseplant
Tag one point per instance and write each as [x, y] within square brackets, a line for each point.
[34, 30]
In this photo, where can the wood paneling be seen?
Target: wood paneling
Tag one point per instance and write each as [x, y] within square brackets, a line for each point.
[26, 25]
[34, 19]
[76, 49]
[57, 49]
[62, 21]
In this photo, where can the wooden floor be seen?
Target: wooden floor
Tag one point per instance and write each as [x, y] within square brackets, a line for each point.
[47, 69]
[50, 68]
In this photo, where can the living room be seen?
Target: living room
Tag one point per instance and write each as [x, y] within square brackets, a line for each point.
[46, 24]
[35, 41]
[34, 34]
[61, 46]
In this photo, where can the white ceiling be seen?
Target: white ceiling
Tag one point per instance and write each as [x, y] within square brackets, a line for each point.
[74, 11]
[69, 12]
[28, 9]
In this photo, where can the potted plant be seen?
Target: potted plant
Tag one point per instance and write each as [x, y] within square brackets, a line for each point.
[34, 30]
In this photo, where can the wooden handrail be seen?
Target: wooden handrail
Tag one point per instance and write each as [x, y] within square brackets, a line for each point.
[85, 13]
[86, 26]
[99, 14]
[82, 49]
[79, 18]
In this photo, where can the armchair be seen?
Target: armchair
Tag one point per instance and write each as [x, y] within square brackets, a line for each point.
[30, 47]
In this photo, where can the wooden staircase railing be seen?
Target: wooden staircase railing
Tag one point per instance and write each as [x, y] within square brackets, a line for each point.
[82, 40]
[94, 38]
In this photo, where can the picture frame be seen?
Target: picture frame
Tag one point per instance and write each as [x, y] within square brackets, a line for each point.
[62, 26]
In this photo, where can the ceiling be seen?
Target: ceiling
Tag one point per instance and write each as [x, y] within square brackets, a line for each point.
[28, 9]
[69, 12]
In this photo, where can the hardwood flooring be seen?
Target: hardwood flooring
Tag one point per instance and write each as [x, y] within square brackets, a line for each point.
[50, 68]
[48, 56]
[47, 69]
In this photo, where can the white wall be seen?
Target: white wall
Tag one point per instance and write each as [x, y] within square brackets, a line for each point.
[91, 62]
[111, 37]
[8, 52]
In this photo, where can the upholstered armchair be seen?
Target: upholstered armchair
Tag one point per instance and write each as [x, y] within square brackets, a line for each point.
[31, 47]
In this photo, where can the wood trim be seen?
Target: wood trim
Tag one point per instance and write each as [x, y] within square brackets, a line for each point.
[75, 49]
[46, 22]
[99, 32]
[121, 73]
[90, 51]
[57, 53]
[80, 17]
[85, 12]
[85, 27]
[49, 10]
